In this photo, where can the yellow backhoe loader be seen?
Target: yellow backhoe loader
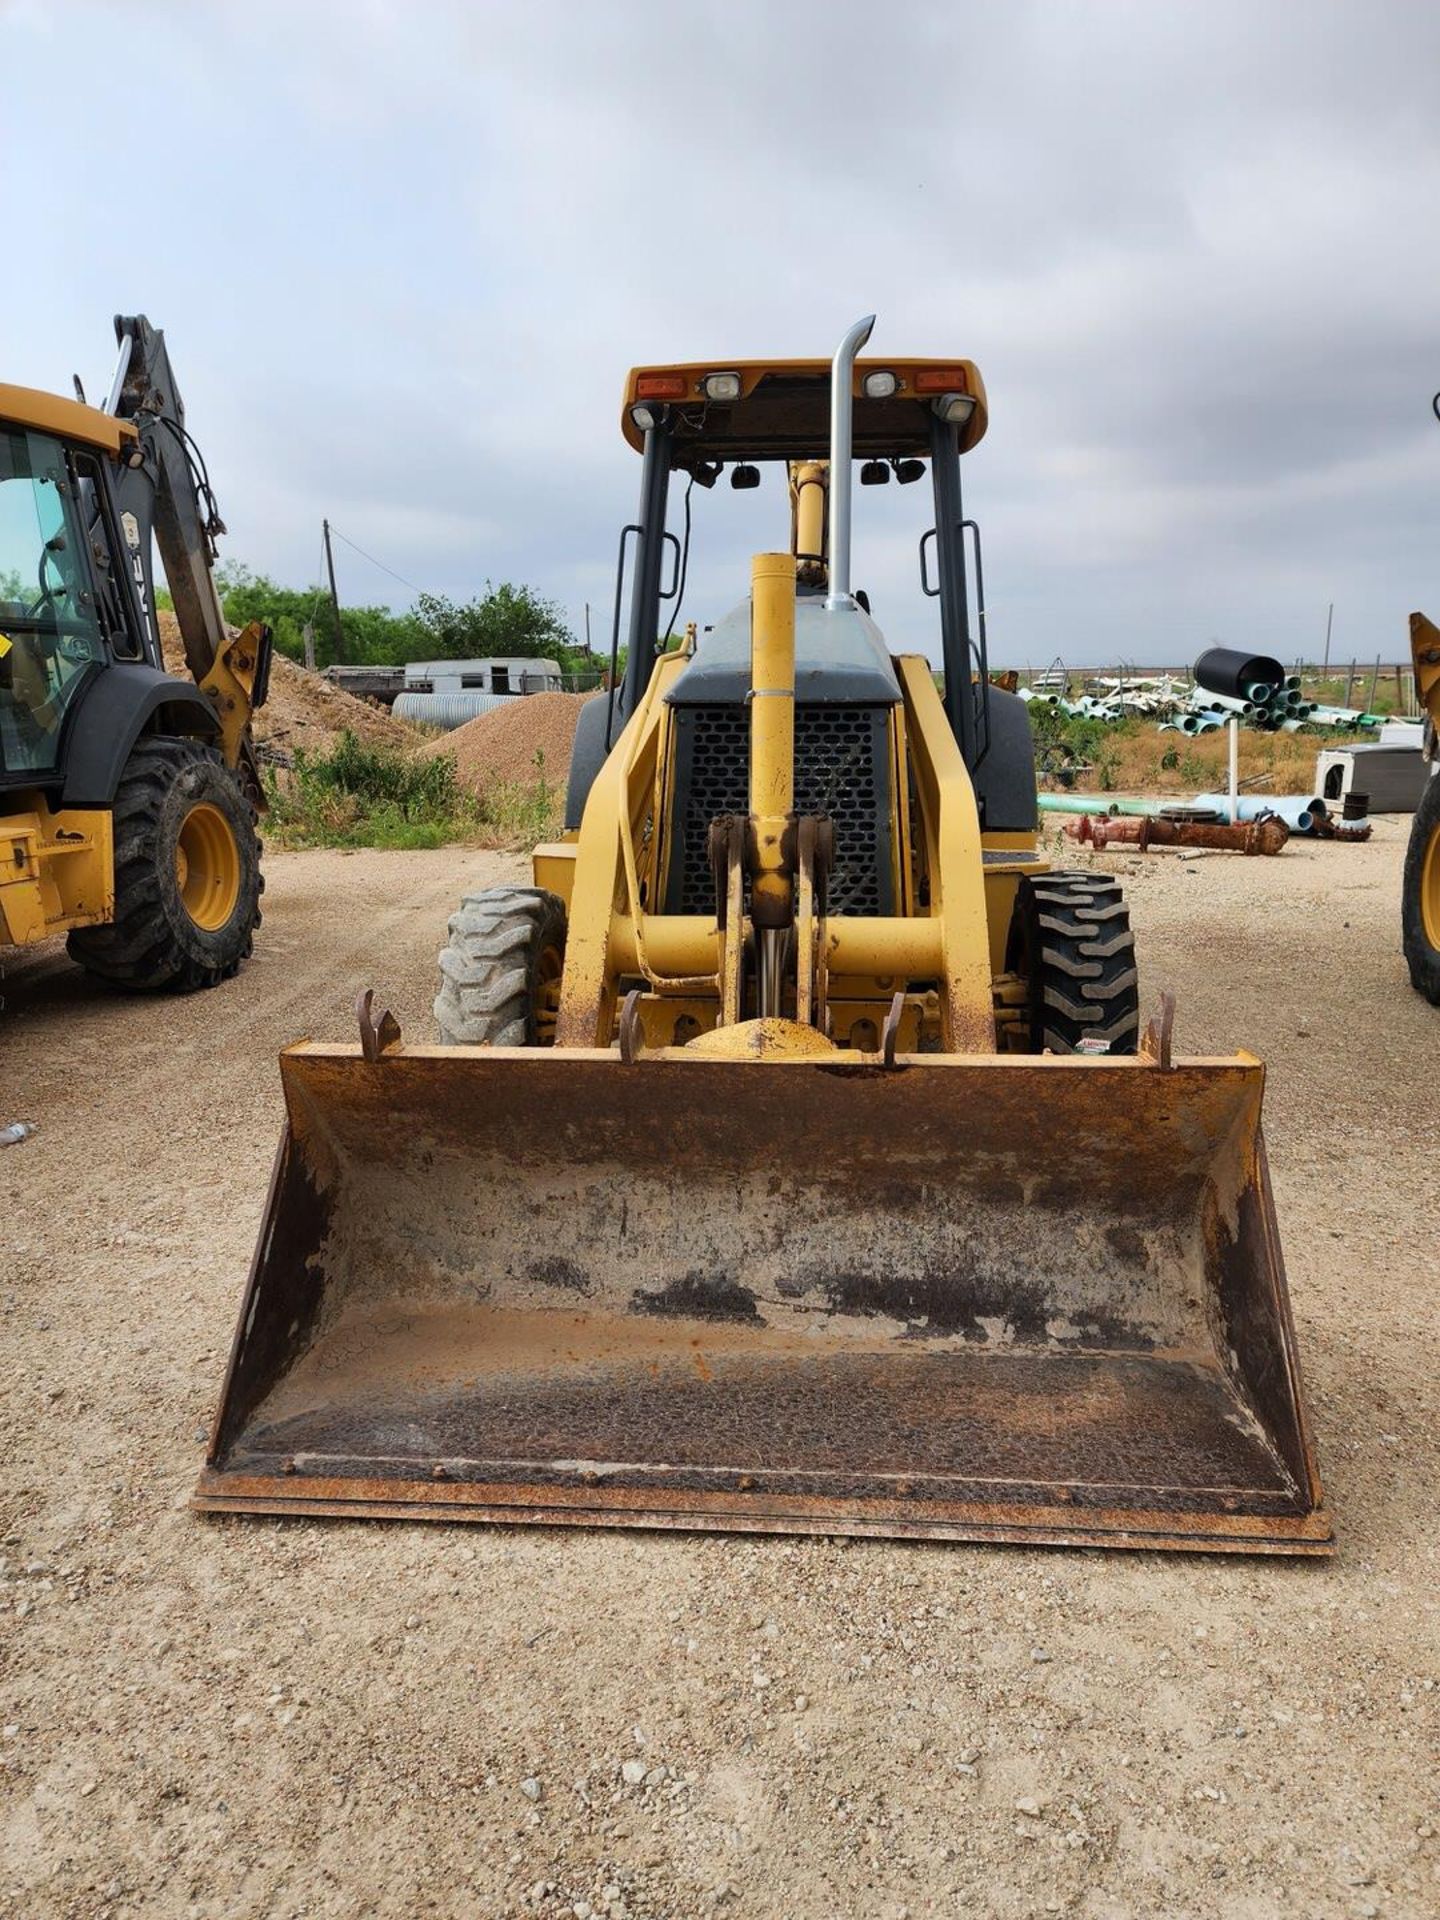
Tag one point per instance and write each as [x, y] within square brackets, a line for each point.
[795, 1159]
[127, 794]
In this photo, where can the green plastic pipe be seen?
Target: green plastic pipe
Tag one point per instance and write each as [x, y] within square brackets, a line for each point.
[1101, 803]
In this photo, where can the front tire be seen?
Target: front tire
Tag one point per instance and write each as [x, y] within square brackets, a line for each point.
[1070, 942]
[187, 874]
[1420, 895]
[500, 970]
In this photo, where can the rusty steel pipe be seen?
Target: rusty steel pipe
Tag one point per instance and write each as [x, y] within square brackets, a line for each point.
[1246, 836]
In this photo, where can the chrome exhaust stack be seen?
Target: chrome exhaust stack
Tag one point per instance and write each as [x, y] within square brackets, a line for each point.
[842, 417]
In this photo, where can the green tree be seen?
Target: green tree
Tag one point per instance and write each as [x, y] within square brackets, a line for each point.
[374, 636]
[506, 620]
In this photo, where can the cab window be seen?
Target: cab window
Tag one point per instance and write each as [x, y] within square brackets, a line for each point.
[49, 636]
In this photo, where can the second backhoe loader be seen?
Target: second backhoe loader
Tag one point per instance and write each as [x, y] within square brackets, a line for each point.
[128, 794]
[796, 1159]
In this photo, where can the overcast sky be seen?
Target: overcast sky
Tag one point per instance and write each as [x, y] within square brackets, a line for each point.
[405, 253]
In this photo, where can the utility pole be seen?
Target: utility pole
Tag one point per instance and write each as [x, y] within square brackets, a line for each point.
[334, 596]
[588, 647]
[1328, 619]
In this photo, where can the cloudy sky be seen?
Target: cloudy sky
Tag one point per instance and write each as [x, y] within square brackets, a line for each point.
[404, 253]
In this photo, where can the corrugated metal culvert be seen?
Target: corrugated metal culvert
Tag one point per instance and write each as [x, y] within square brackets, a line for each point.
[447, 710]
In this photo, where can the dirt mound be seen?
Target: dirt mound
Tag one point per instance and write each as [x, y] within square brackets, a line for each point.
[507, 743]
[303, 709]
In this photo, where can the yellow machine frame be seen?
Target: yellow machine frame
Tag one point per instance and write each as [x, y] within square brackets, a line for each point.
[57, 870]
[680, 963]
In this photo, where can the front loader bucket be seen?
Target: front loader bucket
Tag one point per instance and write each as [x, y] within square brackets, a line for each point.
[991, 1299]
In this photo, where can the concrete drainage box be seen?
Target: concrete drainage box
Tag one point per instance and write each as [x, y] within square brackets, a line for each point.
[1394, 777]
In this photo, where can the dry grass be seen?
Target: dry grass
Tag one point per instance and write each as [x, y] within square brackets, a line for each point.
[1135, 757]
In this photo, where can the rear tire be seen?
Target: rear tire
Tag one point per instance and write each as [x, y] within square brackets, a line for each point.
[187, 874]
[1420, 895]
[500, 970]
[1070, 941]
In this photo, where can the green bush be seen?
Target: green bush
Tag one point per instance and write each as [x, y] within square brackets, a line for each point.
[369, 796]
[418, 786]
[1073, 735]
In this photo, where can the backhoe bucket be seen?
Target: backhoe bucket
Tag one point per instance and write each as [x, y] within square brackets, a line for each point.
[985, 1298]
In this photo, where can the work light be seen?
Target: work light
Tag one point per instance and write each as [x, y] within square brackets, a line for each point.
[955, 408]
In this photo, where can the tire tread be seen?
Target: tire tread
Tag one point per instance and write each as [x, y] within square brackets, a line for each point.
[487, 966]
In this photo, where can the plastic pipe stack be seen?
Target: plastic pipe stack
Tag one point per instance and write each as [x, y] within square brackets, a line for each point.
[1251, 684]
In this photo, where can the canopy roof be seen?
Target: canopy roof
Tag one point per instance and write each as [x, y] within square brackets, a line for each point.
[68, 419]
[783, 412]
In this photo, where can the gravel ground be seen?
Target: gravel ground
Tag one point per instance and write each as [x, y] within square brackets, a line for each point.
[273, 1719]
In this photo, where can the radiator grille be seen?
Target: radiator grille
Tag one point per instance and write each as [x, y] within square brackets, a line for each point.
[841, 768]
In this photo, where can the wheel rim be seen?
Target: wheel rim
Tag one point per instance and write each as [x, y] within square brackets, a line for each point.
[1430, 890]
[547, 996]
[207, 867]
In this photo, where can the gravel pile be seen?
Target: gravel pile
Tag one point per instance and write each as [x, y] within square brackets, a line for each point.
[303, 710]
[523, 740]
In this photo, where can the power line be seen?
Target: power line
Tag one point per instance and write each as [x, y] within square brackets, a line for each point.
[373, 561]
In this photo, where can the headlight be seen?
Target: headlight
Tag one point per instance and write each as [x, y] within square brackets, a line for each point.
[879, 386]
[721, 386]
[955, 408]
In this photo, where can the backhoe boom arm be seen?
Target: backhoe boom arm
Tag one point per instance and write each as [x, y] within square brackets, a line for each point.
[167, 491]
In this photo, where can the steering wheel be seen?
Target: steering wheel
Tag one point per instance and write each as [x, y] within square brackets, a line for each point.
[48, 593]
[46, 605]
